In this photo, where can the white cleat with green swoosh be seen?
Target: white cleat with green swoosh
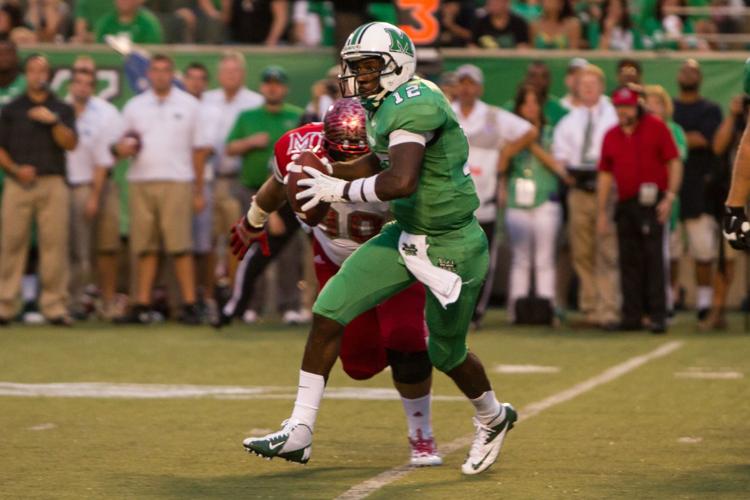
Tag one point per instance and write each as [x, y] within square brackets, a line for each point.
[488, 440]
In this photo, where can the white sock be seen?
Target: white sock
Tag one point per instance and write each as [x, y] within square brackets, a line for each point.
[487, 407]
[418, 415]
[309, 393]
[705, 295]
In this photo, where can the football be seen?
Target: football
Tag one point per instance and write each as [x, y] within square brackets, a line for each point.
[316, 214]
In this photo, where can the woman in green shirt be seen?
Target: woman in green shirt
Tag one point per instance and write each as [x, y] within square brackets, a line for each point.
[557, 27]
[534, 214]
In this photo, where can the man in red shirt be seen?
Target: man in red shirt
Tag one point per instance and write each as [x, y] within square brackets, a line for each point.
[641, 158]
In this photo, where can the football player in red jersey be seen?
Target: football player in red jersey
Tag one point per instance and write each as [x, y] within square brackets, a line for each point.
[393, 333]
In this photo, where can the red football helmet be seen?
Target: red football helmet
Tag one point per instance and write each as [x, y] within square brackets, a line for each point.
[344, 132]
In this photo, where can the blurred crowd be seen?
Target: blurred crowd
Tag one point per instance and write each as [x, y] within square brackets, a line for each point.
[616, 25]
[597, 197]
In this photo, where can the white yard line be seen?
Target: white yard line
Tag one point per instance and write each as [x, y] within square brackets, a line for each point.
[107, 390]
[370, 486]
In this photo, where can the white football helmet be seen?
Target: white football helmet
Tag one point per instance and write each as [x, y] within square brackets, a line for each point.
[382, 40]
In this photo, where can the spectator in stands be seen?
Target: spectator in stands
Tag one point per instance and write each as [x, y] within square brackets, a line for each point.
[569, 100]
[577, 145]
[457, 21]
[348, 15]
[253, 136]
[489, 130]
[538, 75]
[640, 159]
[500, 27]
[557, 27]
[258, 21]
[49, 19]
[177, 18]
[725, 144]
[533, 214]
[629, 71]
[36, 128]
[165, 183]
[86, 15]
[668, 30]
[659, 103]
[700, 118]
[12, 79]
[616, 31]
[195, 79]
[95, 204]
[132, 20]
[229, 100]
[212, 17]
[11, 24]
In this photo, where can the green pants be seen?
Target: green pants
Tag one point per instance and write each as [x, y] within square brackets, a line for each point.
[376, 271]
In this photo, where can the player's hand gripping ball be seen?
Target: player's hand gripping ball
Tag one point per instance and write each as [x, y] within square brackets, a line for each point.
[295, 171]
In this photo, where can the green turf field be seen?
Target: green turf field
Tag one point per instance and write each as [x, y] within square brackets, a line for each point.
[678, 426]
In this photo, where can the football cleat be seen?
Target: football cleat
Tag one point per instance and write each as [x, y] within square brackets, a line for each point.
[293, 443]
[424, 451]
[488, 440]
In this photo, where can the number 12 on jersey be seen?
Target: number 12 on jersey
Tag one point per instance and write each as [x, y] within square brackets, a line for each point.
[411, 91]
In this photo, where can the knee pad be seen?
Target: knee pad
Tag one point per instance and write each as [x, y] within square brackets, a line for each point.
[409, 367]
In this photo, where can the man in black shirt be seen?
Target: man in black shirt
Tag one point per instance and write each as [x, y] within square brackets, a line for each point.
[700, 118]
[36, 129]
[500, 28]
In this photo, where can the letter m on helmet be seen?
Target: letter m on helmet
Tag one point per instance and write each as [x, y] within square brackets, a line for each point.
[400, 42]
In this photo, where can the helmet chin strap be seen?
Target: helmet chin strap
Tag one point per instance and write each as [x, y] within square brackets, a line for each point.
[378, 98]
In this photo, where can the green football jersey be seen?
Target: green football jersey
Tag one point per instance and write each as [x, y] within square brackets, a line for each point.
[445, 199]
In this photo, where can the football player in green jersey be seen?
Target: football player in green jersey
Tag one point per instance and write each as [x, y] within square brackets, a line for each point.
[418, 163]
[736, 225]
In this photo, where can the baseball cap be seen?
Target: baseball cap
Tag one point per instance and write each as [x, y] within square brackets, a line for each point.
[624, 97]
[470, 71]
[577, 63]
[274, 73]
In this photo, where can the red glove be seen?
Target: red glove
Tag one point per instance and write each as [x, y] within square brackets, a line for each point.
[243, 235]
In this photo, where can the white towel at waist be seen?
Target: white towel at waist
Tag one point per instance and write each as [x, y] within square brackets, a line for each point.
[444, 285]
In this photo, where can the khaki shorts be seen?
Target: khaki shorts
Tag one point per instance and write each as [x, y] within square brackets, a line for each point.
[161, 216]
[702, 238]
[107, 224]
[677, 242]
[227, 208]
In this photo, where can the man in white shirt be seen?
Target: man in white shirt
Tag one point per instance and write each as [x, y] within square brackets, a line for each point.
[95, 204]
[577, 144]
[228, 101]
[166, 181]
[489, 130]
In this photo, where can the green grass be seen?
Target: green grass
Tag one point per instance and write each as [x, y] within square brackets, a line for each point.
[620, 440]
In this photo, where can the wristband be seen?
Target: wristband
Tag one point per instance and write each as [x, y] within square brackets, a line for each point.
[363, 190]
[256, 216]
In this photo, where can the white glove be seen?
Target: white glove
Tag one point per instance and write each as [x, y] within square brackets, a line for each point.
[320, 187]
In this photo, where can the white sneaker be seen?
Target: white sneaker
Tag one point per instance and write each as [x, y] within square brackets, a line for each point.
[250, 317]
[290, 317]
[488, 440]
[292, 443]
[424, 451]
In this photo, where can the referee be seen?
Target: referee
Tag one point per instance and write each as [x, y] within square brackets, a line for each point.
[36, 129]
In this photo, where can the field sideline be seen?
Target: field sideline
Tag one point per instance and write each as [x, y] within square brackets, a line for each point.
[160, 412]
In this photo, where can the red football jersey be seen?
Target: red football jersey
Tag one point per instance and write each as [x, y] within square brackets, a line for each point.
[306, 137]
